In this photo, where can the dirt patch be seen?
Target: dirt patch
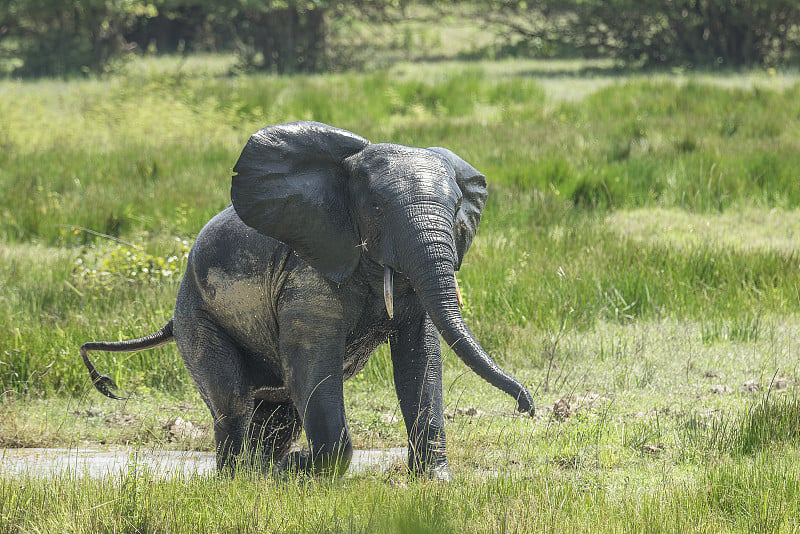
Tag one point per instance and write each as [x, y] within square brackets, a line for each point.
[566, 407]
[464, 411]
[121, 419]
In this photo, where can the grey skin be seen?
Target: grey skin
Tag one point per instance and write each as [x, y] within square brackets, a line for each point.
[332, 245]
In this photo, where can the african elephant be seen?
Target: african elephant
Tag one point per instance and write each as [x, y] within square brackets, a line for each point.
[331, 246]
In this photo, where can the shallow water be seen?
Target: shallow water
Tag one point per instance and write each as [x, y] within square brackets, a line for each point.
[104, 462]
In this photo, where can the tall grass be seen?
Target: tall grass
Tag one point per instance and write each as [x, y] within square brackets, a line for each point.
[166, 138]
[758, 494]
[146, 158]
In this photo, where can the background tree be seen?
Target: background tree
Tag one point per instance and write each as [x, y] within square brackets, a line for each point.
[653, 32]
[50, 37]
[55, 37]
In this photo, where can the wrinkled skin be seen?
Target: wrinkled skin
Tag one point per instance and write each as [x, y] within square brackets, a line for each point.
[285, 295]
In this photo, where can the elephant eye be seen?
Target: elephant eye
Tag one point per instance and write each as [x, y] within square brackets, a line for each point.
[376, 206]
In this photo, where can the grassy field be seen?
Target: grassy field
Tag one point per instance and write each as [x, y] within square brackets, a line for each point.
[637, 265]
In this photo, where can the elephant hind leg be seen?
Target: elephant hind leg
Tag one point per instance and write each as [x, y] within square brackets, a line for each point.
[217, 368]
[273, 430]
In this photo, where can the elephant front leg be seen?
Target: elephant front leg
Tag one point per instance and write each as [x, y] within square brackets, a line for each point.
[417, 364]
[313, 358]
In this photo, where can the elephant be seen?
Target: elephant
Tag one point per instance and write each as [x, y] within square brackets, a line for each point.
[331, 246]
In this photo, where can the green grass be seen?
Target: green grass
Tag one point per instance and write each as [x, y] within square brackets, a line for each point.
[637, 262]
[584, 487]
[138, 502]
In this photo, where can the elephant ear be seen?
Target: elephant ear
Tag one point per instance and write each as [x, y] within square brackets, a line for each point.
[473, 190]
[289, 184]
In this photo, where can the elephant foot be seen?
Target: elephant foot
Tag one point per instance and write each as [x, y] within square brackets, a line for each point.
[439, 473]
[332, 465]
[437, 469]
[429, 462]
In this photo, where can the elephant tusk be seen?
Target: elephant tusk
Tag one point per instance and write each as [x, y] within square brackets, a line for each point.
[458, 292]
[388, 290]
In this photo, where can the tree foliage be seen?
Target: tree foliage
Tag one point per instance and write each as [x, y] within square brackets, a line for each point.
[653, 32]
[55, 37]
[58, 37]
[279, 36]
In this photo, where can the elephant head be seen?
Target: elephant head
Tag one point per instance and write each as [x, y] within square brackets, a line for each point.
[339, 201]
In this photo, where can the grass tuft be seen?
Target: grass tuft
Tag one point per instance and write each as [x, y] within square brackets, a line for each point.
[770, 423]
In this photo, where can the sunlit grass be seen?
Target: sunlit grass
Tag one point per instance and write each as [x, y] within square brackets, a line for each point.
[589, 484]
[636, 266]
[744, 231]
[168, 135]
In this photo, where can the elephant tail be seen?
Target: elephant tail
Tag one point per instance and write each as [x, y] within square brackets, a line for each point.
[104, 383]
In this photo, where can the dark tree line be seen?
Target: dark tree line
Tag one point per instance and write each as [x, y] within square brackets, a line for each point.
[656, 32]
[59, 37]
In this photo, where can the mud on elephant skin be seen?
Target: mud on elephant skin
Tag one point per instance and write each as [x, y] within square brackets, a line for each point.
[332, 246]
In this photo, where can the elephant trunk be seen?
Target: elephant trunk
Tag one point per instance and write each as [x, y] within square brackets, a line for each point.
[438, 292]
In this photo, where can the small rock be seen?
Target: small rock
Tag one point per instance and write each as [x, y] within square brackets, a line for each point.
[776, 384]
[653, 448]
[752, 385]
[562, 409]
[780, 383]
[179, 429]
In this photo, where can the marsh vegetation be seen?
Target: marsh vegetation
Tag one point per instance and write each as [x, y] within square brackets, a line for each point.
[637, 266]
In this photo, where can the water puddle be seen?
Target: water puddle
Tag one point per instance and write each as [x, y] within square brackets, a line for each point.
[104, 462]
